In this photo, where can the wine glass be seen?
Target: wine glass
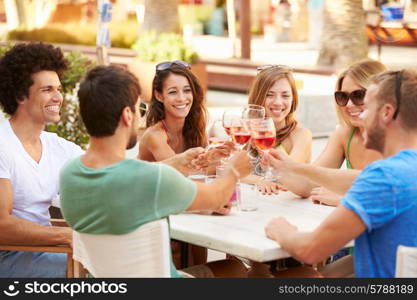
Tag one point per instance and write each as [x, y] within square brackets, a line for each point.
[249, 113]
[240, 132]
[253, 111]
[217, 135]
[264, 137]
[228, 120]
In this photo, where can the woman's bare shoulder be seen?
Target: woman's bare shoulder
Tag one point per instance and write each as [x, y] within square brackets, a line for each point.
[300, 133]
[154, 132]
[342, 131]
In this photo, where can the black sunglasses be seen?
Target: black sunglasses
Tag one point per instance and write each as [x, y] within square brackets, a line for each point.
[398, 82]
[357, 97]
[168, 64]
[266, 67]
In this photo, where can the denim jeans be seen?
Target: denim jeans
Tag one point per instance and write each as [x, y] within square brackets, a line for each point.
[18, 264]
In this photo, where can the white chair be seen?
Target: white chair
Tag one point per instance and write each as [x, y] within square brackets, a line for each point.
[145, 252]
[406, 262]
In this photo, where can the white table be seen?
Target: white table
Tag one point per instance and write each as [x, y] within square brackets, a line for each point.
[242, 233]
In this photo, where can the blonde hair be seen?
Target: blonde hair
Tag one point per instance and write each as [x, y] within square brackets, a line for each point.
[360, 72]
[263, 83]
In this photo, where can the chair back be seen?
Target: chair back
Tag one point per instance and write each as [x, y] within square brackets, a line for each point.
[145, 252]
[406, 262]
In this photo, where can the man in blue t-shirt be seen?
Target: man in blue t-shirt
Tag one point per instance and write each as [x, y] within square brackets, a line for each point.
[379, 211]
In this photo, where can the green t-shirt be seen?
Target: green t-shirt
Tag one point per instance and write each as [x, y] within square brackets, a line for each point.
[121, 197]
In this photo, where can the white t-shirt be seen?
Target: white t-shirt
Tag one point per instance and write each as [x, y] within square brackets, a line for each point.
[34, 184]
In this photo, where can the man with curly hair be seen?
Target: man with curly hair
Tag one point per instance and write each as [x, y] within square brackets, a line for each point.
[30, 159]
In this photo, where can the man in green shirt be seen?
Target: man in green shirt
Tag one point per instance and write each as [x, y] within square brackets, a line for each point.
[102, 192]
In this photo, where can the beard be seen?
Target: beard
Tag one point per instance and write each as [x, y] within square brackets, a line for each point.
[375, 137]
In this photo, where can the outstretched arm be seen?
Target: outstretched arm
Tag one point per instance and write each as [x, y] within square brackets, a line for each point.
[216, 195]
[301, 183]
[336, 180]
[339, 228]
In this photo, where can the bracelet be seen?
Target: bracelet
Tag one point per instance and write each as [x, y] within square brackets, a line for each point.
[235, 172]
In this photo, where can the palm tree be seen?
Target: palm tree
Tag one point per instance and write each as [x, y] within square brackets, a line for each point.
[161, 16]
[344, 38]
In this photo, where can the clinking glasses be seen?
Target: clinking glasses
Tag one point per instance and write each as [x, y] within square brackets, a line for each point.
[357, 97]
[168, 64]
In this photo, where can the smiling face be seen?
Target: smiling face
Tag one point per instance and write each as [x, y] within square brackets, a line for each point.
[351, 112]
[44, 101]
[278, 100]
[176, 96]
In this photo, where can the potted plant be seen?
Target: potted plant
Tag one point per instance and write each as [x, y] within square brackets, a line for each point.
[154, 48]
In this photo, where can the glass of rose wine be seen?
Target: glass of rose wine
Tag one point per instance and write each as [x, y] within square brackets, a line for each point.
[264, 138]
[241, 135]
[252, 112]
[240, 132]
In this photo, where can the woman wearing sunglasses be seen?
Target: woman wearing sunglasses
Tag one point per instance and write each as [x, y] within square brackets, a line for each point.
[274, 88]
[345, 143]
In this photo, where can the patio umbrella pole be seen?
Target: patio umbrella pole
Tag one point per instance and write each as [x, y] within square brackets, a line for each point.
[103, 35]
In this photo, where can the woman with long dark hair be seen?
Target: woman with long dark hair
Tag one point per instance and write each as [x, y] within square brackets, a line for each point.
[176, 120]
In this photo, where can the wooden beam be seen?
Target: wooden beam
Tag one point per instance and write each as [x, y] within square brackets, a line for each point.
[245, 25]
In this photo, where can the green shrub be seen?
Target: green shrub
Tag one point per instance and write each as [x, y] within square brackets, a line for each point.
[152, 47]
[123, 35]
[70, 126]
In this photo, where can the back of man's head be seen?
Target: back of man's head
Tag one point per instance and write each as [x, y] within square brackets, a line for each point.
[17, 66]
[103, 94]
[399, 88]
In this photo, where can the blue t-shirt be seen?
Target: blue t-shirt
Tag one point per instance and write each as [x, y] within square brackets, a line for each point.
[384, 196]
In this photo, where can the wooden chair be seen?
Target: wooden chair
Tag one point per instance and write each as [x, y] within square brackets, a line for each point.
[51, 249]
[145, 252]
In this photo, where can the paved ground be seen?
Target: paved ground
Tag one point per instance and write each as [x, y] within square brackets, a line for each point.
[295, 54]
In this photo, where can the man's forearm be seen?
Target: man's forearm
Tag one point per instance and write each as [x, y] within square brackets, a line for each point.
[297, 184]
[335, 180]
[17, 231]
[302, 247]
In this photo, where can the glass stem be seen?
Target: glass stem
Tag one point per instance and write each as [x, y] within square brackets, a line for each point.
[269, 176]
